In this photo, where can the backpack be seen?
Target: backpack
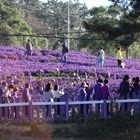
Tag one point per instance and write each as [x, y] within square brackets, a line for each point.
[66, 50]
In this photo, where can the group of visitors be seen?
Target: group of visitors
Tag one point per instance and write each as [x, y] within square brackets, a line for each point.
[11, 93]
[98, 92]
[100, 54]
[29, 50]
[101, 57]
[129, 88]
[50, 91]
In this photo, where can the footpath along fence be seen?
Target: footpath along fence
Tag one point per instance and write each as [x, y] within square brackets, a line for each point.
[65, 109]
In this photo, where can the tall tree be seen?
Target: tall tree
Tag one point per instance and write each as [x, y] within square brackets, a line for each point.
[11, 23]
[114, 22]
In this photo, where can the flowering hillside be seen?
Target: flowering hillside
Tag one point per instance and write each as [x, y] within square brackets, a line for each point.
[14, 61]
[80, 66]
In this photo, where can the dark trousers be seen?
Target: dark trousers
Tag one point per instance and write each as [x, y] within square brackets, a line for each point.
[81, 109]
[125, 105]
[58, 107]
[107, 107]
[47, 110]
[119, 63]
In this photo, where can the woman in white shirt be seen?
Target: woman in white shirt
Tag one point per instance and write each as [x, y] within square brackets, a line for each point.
[57, 94]
[48, 94]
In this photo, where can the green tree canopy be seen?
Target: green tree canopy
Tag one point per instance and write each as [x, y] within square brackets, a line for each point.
[114, 23]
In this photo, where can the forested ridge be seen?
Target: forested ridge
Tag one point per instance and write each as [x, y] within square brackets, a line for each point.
[47, 23]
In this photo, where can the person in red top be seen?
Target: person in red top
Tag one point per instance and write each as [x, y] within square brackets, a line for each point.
[106, 93]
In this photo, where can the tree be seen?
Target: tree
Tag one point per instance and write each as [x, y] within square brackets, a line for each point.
[111, 23]
[11, 23]
[54, 16]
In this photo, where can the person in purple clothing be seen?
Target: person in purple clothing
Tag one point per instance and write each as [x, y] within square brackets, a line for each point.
[105, 90]
[97, 92]
[106, 93]
[82, 95]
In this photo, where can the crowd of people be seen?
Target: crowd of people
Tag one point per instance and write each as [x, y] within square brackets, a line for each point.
[86, 92]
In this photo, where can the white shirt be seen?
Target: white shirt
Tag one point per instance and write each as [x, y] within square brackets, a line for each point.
[58, 93]
[101, 53]
[48, 95]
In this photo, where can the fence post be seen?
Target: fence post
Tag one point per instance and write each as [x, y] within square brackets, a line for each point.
[1, 108]
[67, 110]
[104, 111]
[30, 111]
[50, 110]
[139, 102]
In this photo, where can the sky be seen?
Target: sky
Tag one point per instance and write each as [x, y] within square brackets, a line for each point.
[91, 3]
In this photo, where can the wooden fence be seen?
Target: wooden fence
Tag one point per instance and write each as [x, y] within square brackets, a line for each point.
[65, 109]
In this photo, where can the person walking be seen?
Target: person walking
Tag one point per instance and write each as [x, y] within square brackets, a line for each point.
[119, 57]
[64, 51]
[100, 59]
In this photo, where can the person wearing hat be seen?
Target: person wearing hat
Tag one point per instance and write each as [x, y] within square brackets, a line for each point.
[124, 89]
[100, 58]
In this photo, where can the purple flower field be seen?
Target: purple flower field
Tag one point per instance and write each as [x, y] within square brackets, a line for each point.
[46, 63]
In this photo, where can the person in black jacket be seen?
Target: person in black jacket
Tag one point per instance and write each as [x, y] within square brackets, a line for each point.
[124, 89]
[64, 51]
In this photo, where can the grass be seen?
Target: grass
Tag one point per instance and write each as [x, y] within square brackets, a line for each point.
[120, 127]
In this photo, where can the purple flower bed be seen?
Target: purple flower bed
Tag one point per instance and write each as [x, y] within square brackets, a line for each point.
[79, 67]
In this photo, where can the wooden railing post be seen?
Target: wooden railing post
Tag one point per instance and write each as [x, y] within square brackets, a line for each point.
[1, 109]
[104, 111]
[30, 111]
[67, 110]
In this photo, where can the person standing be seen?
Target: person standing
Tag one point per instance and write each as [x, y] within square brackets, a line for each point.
[97, 93]
[119, 57]
[82, 96]
[29, 48]
[48, 95]
[100, 59]
[106, 93]
[124, 90]
[26, 97]
[64, 51]
[57, 94]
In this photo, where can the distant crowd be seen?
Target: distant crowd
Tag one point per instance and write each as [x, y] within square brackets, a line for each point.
[86, 92]
[65, 50]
